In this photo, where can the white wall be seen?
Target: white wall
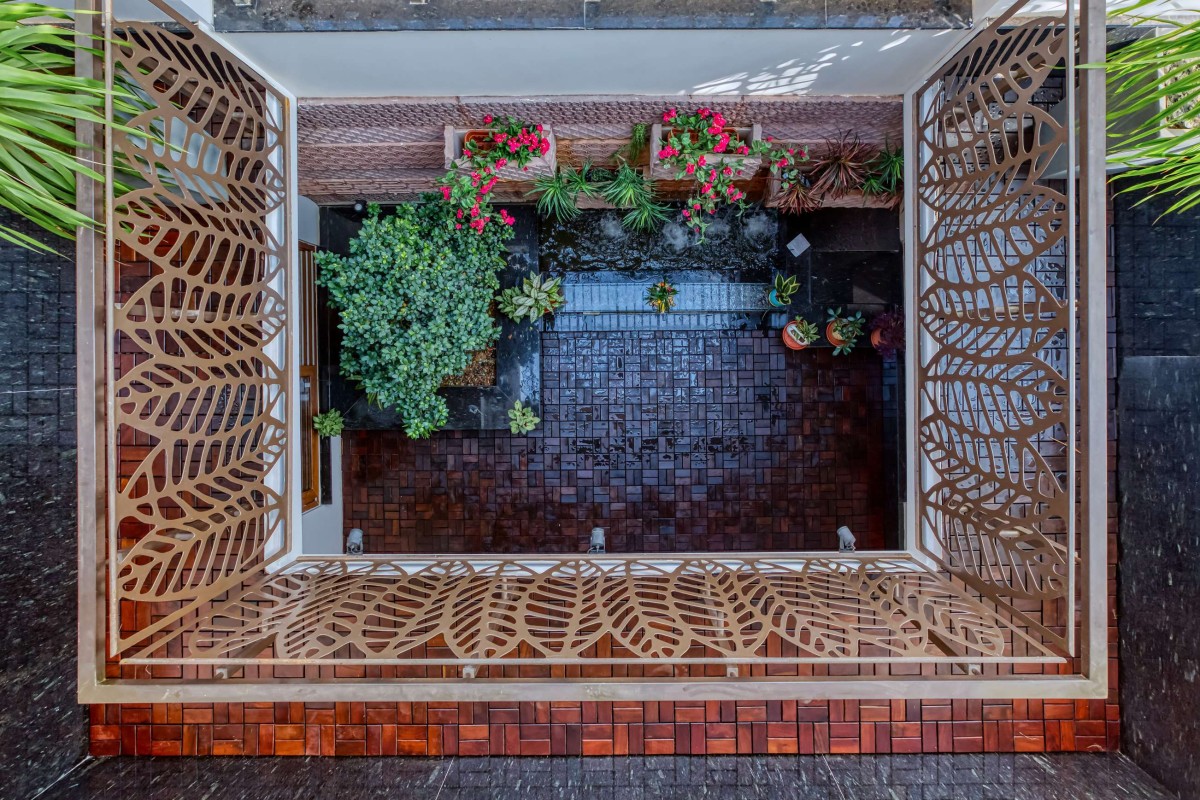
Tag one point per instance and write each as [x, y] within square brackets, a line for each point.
[321, 528]
[525, 63]
[308, 221]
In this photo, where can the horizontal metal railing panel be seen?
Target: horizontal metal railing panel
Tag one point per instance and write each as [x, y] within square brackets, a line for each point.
[612, 610]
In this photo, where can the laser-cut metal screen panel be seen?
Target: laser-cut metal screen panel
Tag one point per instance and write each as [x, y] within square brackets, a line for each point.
[994, 345]
[198, 260]
[602, 610]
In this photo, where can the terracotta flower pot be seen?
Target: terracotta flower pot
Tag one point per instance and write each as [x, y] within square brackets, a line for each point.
[876, 338]
[791, 342]
[479, 141]
[833, 338]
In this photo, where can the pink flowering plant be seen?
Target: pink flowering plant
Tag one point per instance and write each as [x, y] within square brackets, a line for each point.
[701, 147]
[469, 184]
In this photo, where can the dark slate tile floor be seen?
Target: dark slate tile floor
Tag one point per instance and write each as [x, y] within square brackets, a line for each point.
[884, 777]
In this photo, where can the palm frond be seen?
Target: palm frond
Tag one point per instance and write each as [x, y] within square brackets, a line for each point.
[1154, 83]
[40, 104]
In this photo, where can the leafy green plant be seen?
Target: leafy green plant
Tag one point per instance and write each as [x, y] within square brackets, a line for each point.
[888, 167]
[414, 296]
[785, 286]
[329, 423]
[661, 296]
[521, 418]
[1154, 82]
[41, 101]
[844, 330]
[647, 217]
[803, 331]
[532, 298]
[627, 188]
[556, 195]
[639, 141]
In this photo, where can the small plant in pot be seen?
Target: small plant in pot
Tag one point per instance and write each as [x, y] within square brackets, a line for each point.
[800, 333]
[843, 330]
[782, 290]
[887, 333]
[329, 423]
[521, 418]
[532, 298]
[661, 296]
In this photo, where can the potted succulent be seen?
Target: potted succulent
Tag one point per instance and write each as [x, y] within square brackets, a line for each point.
[887, 332]
[843, 331]
[661, 296]
[521, 418]
[800, 333]
[782, 290]
[532, 298]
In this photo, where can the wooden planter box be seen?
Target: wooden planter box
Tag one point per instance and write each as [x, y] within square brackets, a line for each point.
[542, 165]
[751, 164]
[851, 200]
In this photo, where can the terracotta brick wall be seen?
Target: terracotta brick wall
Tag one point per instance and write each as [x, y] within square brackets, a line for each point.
[539, 729]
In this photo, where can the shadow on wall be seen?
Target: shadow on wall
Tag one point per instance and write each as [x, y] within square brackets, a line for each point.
[794, 76]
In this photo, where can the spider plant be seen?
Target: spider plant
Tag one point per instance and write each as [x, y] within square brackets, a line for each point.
[1155, 82]
[556, 194]
[840, 167]
[647, 216]
[584, 181]
[41, 100]
[628, 188]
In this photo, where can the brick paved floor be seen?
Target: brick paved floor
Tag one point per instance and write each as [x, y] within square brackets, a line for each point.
[672, 441]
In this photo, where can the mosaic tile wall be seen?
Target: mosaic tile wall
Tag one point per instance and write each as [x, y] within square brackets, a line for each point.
[681, 442]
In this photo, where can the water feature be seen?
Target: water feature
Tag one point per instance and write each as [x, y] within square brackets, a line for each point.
[595, 247]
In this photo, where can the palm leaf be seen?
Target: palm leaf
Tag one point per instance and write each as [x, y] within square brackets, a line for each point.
[1156, 82]
[40, 105]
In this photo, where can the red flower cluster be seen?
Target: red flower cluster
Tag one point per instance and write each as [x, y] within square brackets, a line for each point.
[701, 146]
[472, 178]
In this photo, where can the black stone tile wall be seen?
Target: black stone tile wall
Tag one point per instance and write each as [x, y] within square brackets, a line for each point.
[43, 733]
[1158, 338]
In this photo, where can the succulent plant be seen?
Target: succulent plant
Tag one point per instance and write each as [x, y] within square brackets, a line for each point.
[785, 286]
[533, 298]
[846, 327]
[521, 418]
[803, 331]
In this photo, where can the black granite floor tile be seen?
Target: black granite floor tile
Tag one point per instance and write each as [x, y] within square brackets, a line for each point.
[881, 777]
